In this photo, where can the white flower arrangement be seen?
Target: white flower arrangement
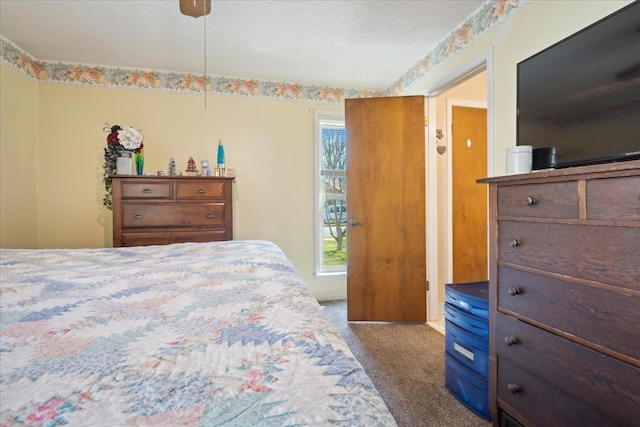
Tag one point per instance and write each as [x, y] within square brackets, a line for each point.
[130, 138]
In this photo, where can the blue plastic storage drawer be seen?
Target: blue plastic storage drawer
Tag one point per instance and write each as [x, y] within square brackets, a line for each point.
[472, 297]
[470, 389]
[468, 349]
[470, 323]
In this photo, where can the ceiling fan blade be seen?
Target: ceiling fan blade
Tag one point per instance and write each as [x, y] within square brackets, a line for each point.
[195, 8]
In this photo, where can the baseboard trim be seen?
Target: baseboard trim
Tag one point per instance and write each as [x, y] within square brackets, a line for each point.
[338, 297]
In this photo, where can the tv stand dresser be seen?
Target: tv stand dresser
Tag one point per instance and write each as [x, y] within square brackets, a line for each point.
[158, 210]
[564, 297]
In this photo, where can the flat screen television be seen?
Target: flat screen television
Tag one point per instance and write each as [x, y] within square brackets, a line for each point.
[581, 96]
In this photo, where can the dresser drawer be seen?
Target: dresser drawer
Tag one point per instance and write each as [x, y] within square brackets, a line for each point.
[467, 321]
[614, 199]
[175, 214]
[609, 255]
[603, 383]
[548, 200]
[542, 404]
[470, 297]
[198, 190]
[468, 349]
[170, 235]
[468, 387]
[603, 317]
[147, 189]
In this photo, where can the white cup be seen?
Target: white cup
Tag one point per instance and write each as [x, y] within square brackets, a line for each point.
[519, 159]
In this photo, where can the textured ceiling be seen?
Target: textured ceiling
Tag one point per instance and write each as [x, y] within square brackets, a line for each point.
[358, 44]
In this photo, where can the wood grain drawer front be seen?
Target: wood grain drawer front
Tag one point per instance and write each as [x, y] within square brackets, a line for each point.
[147, 190]
[175, 214]
[603, 317]
[548, 200]
[614, 199]
[602, 383]
[167, 236]
[604, 254]
[541, 404]
[200, 190]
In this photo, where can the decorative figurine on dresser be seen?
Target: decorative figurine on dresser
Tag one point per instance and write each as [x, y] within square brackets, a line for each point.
[150, 210]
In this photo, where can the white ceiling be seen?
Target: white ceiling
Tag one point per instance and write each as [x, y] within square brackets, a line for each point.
[355, 44]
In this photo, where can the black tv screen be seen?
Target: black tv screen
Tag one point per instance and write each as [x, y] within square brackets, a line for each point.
[582, 95]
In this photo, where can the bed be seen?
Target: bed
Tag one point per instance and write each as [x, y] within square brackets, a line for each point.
[214, 334]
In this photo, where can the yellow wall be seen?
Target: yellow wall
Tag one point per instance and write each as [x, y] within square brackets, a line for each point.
[18, 160]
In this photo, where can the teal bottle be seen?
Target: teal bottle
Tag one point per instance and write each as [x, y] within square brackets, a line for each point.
[220, 154]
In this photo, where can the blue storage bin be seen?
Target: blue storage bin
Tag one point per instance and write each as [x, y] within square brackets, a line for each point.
[468, 349]
[476, 325]
[470, 389]
[472, 297]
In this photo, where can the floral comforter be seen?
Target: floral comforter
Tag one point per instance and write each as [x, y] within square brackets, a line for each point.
[213, 334]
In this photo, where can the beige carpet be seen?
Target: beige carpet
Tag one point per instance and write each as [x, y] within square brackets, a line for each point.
[406, 364]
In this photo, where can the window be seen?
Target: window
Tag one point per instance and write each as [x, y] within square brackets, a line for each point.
[331, 190]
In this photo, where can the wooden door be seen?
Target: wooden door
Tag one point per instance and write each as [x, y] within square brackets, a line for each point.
[469, 204]
[386, 259]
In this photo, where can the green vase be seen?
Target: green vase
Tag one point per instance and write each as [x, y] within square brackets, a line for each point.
[139, 163]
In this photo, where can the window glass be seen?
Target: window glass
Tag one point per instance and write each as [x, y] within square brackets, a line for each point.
[332, 188]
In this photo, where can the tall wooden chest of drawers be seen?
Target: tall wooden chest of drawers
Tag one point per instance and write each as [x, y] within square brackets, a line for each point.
[150, 210]
[564, 313]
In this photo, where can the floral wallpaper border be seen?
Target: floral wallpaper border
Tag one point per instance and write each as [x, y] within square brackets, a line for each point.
[473, 28]
[476, 26]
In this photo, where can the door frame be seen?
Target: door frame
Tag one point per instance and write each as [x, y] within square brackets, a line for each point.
[450, 104]
[472, 67]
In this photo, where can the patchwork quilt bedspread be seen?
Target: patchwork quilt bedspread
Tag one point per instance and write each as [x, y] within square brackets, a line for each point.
[211, 334]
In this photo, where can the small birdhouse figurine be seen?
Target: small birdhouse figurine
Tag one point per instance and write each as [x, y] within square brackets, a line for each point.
[191, 167]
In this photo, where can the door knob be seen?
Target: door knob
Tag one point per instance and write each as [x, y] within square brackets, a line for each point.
[353, 223]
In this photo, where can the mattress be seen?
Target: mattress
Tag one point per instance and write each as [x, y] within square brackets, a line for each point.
[221, 333]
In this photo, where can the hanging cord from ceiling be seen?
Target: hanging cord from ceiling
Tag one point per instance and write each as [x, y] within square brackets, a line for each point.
[191, 8]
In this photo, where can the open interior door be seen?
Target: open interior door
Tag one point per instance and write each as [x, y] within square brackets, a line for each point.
[386, 256]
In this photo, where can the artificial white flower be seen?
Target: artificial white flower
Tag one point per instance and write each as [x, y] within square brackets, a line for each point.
[130, 138]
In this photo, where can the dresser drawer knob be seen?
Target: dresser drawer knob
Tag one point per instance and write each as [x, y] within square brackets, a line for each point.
[514, 243]
[137, 216]
[210, 215]
[529, 201]
[146, 191]
[513, 388]
[200, 191]
[510, 341]
[513, 290]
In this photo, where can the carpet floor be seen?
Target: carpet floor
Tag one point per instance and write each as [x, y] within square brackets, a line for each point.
[406, 364]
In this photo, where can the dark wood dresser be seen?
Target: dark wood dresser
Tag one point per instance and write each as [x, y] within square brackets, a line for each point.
[564, 297]
[149, 210]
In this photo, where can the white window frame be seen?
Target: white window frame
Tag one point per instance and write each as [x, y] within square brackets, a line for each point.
[323, 117]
